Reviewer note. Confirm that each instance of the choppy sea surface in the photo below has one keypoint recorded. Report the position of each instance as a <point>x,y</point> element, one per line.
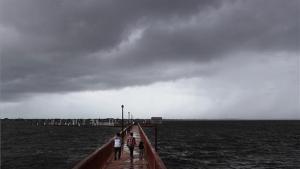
<point>26,146</point>
<point>182,144</point>
<point>229,144</point>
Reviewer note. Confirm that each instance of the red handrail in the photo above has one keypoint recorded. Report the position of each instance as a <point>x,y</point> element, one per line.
<point>154,160</point>
<point>98,158</point>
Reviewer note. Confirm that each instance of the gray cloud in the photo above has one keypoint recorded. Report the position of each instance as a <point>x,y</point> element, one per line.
<point>65,46</point>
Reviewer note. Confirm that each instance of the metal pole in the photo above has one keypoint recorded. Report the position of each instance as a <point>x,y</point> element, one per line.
<point>122,121</point>
<point>128,117</point>
<point>155,137</point>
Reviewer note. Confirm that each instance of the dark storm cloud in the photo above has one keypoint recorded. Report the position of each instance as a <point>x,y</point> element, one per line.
<point>233,27</point>
<point>63,46</point>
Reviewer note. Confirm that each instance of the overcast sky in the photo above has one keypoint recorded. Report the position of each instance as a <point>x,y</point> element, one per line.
<point>176,59</point>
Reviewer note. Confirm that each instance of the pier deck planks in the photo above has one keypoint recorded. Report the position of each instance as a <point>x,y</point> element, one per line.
<point>125,162</point>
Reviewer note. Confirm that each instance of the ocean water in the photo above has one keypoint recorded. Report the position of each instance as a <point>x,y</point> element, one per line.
<point>24,146</point>
<point>182,144</point>
<point>229,144</point>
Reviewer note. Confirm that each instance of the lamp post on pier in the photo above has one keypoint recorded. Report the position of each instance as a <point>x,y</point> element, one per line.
<point>122,106</point>
<point>128,118</point>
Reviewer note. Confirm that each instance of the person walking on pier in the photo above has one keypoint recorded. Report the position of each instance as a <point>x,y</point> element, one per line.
<point>131,143</point>
<point>128,130</point>
<point>141,147</point>
<point>117,146</point>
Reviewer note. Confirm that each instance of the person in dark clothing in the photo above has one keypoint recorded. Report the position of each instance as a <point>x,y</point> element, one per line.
<point>117,146</point>
<point>128,130</point>
<point>131,143</point>
<point>141,147</point>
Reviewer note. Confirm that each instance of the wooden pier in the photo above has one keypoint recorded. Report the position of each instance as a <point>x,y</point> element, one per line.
<point>103,158</point>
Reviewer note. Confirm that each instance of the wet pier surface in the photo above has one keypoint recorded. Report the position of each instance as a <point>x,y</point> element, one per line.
<point>125,162</point>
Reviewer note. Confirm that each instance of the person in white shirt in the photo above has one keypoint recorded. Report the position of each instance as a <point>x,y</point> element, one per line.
<point>117,146</point>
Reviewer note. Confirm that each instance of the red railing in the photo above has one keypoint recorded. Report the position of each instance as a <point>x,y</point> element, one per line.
<point>99,158</point>
<point>152,157</point>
